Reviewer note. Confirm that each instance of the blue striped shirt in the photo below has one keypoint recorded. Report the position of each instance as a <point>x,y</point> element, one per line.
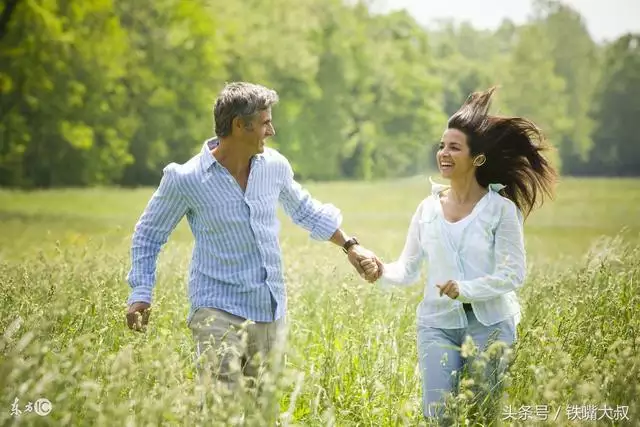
<point>236,265</point>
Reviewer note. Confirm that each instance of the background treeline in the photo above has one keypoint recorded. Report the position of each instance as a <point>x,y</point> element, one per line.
<point>109,91</point>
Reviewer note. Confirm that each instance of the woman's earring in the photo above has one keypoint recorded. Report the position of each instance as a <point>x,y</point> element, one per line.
<point>479,160</point>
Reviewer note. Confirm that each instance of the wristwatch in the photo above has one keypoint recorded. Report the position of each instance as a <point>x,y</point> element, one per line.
<point>352,241</point>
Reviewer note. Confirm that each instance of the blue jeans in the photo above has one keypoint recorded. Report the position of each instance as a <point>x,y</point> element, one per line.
<point>441,361</point>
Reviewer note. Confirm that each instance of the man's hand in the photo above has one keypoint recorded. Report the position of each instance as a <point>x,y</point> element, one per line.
<point>450,289</point>
<point>373,268</point>
<point>365,262</point>
<point>138,315</point>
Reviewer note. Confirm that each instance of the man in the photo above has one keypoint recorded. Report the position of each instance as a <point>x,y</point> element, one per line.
<point>229,193</point>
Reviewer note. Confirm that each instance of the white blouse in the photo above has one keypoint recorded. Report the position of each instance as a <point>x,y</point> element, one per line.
<point>487,259</point>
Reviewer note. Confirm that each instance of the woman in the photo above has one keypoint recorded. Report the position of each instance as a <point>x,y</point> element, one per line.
<point>471,234</point>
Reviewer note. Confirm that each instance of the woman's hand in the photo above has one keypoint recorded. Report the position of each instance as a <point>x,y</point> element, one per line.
<point>449,289</point>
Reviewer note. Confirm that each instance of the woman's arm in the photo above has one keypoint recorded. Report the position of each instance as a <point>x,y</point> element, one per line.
<point>406,270</point>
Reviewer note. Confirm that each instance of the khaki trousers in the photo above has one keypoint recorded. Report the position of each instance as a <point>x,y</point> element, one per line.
<point>235,351</point>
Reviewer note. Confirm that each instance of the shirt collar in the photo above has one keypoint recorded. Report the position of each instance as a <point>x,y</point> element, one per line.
<point>437,188</point>
<point>496,187</point>
<point>207,159</point>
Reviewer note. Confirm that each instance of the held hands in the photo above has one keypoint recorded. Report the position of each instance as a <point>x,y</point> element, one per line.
<point>365,262</point>
<point>450,289</point>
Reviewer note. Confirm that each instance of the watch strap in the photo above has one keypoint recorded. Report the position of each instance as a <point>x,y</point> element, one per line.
<point>349,243</point>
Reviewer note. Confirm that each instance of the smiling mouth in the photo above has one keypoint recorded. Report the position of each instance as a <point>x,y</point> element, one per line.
<point>446,164</point>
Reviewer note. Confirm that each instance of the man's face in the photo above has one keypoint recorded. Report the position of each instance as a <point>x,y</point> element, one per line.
<point>260,129</point>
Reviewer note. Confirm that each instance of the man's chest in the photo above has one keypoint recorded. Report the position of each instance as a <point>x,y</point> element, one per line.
<point>221,206</point>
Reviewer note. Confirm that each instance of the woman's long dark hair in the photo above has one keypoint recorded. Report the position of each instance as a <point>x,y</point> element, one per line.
<point>512,147</point>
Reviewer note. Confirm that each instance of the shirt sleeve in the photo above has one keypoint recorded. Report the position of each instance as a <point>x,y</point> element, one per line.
<point>320,219</point>
<point>510,261</point>
<point>160,217</point>
<point>406,270</point>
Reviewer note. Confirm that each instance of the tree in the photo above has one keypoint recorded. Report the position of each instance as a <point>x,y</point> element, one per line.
<point>5,16</point>
<point>617,108</point>
<point>575,57</point>
<point>58,96</point>
<point>173,70</point>
<point>531,88</point>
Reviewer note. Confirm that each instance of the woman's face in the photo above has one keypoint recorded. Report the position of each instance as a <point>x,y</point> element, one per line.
<point>454,156</point>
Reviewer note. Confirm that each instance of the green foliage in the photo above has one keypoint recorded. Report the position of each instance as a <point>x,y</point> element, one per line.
<point>576,61</point>
<point>63,102</point>
<point>110,91</point>
<point>617,108</point>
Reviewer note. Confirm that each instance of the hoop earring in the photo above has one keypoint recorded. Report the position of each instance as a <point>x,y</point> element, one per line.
<point>480,160</point>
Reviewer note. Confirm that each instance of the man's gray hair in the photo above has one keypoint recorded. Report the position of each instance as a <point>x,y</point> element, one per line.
<point>243,100</point>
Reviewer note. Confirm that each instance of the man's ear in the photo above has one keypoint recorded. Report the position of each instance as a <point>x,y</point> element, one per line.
<point>242,123</point>
<point>237,124</point>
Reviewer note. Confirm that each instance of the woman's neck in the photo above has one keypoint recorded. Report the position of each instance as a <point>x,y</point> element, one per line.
<point>466,190</point>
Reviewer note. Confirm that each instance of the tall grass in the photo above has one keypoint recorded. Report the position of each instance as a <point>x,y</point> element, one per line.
<point>351,352</point>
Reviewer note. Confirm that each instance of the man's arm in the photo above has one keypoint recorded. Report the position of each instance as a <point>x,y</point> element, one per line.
<point>322,220</point>
<point>163,212</point>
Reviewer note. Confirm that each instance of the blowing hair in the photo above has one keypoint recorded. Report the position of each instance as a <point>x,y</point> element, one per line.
<point>243,100</point>
<point>513,149</point>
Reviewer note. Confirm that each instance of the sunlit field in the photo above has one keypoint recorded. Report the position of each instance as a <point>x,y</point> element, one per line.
<point>351,354</point>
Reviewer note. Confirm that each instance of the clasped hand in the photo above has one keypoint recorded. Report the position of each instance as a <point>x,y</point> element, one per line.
<point>366,263</point>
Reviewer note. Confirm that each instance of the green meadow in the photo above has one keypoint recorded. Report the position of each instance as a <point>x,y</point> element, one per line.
<point>351,350</point>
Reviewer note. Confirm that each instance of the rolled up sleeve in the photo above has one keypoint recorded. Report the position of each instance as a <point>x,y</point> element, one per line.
<point>320,219</point>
